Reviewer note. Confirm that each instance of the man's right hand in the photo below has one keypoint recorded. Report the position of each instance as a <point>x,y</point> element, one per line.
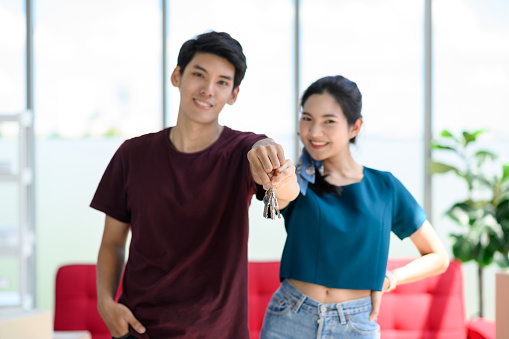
<point>118,317</point>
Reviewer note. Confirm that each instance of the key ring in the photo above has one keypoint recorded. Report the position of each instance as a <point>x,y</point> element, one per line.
<point>271,207</point>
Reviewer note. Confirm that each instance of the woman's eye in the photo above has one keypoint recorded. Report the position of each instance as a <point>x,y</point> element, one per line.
<point>305,119</point>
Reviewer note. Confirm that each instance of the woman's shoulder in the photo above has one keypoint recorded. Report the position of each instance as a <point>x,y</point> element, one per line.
<point>377,174</point>
<point>380,177</point>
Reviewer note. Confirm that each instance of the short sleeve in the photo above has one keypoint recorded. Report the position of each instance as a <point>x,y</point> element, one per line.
<point>407,215</point>
<point>111,194</point>
<point>246,143</point>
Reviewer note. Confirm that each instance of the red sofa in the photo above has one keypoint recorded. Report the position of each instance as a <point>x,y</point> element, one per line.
<point>429,309</point>
<point>432,308</point>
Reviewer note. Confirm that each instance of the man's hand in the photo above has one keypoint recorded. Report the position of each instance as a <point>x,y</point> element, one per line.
<point>265,157</point>
<point>118,317</point>
<point>269,168</point>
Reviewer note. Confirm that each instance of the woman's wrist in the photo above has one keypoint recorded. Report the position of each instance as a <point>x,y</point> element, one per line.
<point>392,280</point>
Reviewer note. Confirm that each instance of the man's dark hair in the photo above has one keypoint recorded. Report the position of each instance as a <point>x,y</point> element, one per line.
<point>218,43</point>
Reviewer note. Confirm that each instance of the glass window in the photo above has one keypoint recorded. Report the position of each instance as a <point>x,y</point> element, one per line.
<point>471,79</point>
<point>12,50</point>
<point>98,68</point>
<point>12,100</point>
<point>378,45</point>
<point>266,102</point>
<point>471,82</point>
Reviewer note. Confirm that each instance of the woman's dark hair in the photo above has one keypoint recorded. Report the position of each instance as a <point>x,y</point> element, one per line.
<point>345,92</point>
<point>220,44</point>
<point>349,98</point>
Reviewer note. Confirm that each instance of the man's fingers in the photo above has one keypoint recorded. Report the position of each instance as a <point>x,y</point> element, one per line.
<point>138,327</point>
<point>283,173</point>
<point>264,160</point>
<point>269,157</point>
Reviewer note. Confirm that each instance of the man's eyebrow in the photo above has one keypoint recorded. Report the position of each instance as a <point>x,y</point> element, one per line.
<point>227,77</point>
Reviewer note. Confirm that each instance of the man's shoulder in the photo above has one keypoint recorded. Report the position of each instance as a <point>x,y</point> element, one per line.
<point>144,139</point>
<point>233,134</point>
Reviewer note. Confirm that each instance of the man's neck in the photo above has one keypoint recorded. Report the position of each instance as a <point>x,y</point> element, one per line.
<point>192,137</point>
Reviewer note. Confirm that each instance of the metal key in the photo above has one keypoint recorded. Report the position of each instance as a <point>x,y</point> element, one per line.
<point>271,207</point>
<point>266,205</point>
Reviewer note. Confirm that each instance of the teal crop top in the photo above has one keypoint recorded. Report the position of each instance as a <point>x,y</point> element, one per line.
<point>343,241</point>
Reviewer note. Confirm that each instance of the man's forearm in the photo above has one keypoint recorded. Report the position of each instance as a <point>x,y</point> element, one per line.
<point>110,264</point>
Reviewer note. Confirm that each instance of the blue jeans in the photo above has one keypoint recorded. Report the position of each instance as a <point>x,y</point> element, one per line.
<point>292,314</point>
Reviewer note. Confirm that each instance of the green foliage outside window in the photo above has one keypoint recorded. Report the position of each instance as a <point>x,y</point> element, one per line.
<point>484,213</point>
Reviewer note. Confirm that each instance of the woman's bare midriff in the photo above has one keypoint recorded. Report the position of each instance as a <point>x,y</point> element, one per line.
<point>328,295</point>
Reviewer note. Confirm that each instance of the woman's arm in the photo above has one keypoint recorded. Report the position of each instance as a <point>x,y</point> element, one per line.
<point>433,260</point>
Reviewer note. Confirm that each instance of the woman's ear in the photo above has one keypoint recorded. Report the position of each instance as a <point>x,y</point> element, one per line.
<point>356,128</point>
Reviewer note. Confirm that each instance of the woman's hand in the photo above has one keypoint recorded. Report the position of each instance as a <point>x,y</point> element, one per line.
<point>376,299</point>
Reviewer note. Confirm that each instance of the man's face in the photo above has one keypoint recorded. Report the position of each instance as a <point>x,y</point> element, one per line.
<point>205,87</point>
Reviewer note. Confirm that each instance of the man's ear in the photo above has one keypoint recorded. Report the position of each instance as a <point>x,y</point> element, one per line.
<point>175,77</point>
<point>233,96</point>
<point>356,128</point>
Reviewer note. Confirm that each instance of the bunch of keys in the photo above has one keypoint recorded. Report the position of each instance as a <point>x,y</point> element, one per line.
<point>271,208</point>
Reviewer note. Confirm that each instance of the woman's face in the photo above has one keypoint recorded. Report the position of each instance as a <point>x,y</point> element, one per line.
<point>324,130</point>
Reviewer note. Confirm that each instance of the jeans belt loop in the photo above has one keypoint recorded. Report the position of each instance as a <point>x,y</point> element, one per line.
<point>299,303</point>
<point>341,314</point>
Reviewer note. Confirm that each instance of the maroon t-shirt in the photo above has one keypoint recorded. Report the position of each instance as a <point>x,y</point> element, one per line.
<point>186,275</point>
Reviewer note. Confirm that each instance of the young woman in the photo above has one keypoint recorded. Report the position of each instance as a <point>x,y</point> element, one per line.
<point>333,267</point>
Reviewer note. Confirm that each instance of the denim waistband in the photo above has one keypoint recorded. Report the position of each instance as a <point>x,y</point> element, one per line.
<point>301,300</point>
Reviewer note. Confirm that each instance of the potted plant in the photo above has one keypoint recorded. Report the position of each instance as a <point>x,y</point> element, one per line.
<point>484,214</point>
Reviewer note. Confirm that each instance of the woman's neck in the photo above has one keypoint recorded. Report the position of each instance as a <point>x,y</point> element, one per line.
<point>342,171</point>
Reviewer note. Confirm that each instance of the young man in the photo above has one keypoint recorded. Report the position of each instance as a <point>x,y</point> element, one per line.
<point>184,193</point>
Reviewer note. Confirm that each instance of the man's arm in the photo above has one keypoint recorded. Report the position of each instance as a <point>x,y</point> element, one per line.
<point>269,167</point>
<point>110,263</point>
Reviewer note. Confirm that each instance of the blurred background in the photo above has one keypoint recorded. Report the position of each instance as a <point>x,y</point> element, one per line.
<point>94,73</point>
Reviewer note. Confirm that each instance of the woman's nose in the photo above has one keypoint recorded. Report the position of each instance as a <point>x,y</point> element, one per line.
<point>315,130</point>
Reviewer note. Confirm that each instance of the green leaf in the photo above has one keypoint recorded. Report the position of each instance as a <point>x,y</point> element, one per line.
<point>505,172</point>
<point>439,168</point>
<point>446,134</point>
<point>443,147</point>
<point>485,182</point>
<point>502,260</point>
<point>462,248</point>
<point>461,213</point>
<point>502,212</point>
<point>479,132</point>
<point>468,137</point>
<point>483,156</point>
